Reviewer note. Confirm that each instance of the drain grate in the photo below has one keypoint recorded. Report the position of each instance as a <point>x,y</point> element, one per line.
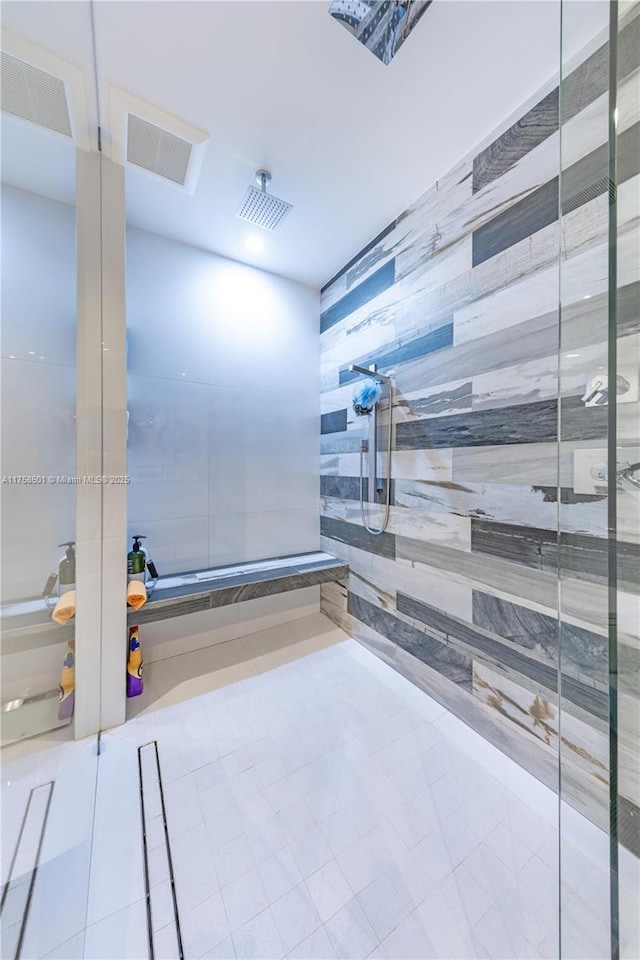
<point>151,792</point>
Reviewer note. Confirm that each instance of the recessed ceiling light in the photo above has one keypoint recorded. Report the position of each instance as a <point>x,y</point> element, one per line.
<point>587,296</point>
<point>255,244</point>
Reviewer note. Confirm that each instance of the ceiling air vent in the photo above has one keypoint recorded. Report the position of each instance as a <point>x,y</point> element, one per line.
<point>44,90</point>
<point>34,95</point>
<point>146,138</point>
<point>157,150</point>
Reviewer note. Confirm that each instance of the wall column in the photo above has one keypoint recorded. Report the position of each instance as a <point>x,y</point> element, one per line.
<point>101,521</point>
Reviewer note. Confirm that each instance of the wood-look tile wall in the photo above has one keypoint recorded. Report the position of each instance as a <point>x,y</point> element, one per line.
<point>458,300</point>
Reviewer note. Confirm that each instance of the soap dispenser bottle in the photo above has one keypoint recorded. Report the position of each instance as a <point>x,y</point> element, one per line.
<point>151,567</point>
<point>67,568</point>
<point>136,560</point>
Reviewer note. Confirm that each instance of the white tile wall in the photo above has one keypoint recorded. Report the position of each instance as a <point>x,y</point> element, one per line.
<point>223,397</point>
<point>179,635</point>
<point>38,366</point>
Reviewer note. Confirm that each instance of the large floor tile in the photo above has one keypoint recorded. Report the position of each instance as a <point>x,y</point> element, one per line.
<point>203,927</point>
<point>351,933</point>
<point>258,938</point>
<point>329,890</point>
<point>296,916</point>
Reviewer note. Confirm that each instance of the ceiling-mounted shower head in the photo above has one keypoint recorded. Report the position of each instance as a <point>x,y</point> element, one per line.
<point>260,208</point>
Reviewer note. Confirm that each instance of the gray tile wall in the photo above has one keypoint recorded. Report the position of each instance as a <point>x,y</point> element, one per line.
<point>458,300</point>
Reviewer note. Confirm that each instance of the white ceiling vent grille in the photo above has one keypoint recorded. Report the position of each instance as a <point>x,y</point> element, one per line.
<point>39,88</point>
<point>144,137</point>
<point>34,95</point>
<point>157,150</point>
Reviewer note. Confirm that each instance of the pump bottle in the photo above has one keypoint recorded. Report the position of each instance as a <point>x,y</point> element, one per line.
<point>136,560</point>
<point>67,568</point>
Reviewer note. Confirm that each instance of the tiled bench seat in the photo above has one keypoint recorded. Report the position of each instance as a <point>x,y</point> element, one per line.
<point>180,594</point>
<point>27,624</point>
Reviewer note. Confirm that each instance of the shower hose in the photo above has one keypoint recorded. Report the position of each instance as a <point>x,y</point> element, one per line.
<point>363,447</point>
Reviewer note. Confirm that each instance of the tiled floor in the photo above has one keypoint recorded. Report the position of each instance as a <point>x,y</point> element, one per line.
<point>324,807</point>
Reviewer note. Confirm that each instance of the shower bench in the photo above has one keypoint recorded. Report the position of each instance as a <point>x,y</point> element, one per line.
<point>27,624</point>
<point>180,594</point>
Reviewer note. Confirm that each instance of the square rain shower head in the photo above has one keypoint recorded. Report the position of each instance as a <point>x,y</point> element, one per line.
<point>263,210</point>
<point>381,26</point>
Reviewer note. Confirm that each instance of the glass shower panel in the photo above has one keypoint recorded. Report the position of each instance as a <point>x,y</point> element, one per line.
<point>624,370</point>
<point>597,553</point>
<point>41,124</point>
<point>582,558</point>
<point>48,779</point>
<point>48,800</point>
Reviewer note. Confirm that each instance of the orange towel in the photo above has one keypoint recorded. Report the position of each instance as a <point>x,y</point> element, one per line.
<point>65,608</point>
<point>136,594</point>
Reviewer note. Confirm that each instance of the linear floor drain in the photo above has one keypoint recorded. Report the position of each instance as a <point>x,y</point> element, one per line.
<point>154,823</point>
<point>17,892</point>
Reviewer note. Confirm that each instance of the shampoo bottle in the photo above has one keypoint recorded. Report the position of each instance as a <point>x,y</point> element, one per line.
<point>135,685</point>
<point>67,687</point>
<point>67,569</point>
<point>136,560</point>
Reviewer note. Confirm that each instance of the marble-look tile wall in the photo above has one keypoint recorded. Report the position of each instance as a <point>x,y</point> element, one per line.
<point>458,300</point>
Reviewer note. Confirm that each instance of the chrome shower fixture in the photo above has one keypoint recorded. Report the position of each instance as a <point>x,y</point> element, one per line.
<point>369,372</point>
<point>375,481</point>
<point>262,209</point>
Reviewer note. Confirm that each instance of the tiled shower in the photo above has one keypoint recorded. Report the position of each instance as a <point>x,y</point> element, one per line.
<point>494,497</point>
<point>421,743</point>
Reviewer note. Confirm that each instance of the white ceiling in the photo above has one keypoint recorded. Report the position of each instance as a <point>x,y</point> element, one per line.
<point>279,84</point>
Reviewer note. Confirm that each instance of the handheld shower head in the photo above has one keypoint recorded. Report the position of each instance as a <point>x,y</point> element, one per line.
<point>365,396</point>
